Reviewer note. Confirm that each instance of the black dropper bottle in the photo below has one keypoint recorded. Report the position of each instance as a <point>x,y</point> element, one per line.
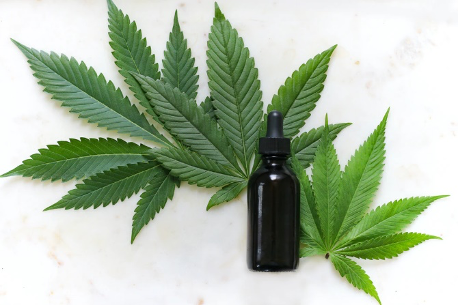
<point>273,205</point>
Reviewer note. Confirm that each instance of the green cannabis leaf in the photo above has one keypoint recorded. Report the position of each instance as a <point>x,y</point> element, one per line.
<point>225,128</point>
<point>131,52</point>
<point>76,159</point>
<point>235,88</point>
<point>109,187</point>
<point>213,143</point>
<point>334,205</point>
<point>210,144</point>
<point>179,70</point>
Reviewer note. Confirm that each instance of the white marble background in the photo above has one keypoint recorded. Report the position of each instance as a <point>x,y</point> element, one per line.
<point>398,54</point>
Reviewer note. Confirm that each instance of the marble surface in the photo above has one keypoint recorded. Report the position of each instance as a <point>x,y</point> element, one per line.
<point>398,54</point>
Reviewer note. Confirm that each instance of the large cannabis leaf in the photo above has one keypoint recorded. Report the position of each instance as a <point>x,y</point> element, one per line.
<point>211,144</point>
<point>235,102</point>
<point>334,205</point>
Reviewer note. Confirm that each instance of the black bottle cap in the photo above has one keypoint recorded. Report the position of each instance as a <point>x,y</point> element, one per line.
<point>274,143</point>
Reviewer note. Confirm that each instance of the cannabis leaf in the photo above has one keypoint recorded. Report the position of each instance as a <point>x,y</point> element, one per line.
<point>227,193</point>
<point>333,207</point>
<point>179,70</point>
<point>326,183</point>
<point>234,86</point>
<point>224,129</point>
<point>195,168</point>
<point>211,144</point>
<point>354,274</point>
<point>158,190</point>
<point>76,159</point>
<point>131,52</point>
<point>295,100</point>
<point>185,120</point>
<point>298,96</point>
<point>383,247</point>
<point>88,94</point>
<point>109,187</point>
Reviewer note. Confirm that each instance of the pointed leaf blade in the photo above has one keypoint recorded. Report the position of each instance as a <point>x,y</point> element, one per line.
<point>355,275</point>
<point>179,70</point>
<point>226,194</point>
<point>195,168</point>
<point>235,88</point>
<point>298,96</point>
<point>158,190</point>
<point>384,247</point>
<point>361,179</point>
<point>131,52</point>
<point>76,159</point>
<point>108,187</point>
<point>88,94</point>
<point>387,219</point>
<point>326,184</point>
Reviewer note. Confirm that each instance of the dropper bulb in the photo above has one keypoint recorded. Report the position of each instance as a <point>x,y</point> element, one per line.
<point>274,125</point>
<point>274,143</point>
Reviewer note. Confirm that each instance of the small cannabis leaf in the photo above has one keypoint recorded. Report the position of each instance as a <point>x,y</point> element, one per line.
<point>298,96</point>
<point>333,207</point>
<point>211,144</point>
<point>159,189</point>
<point>131,52</point>
<point>235,88</point>
<point>88,94</point>
<point>179,70</point>
<point>109,187</point>
<point>76,159</point>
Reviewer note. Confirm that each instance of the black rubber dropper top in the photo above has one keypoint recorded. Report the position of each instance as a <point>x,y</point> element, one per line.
<point>274,125</point>
<point>274,143</point>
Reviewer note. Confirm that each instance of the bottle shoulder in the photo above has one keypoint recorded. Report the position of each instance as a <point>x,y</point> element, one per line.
<point>276,173</point>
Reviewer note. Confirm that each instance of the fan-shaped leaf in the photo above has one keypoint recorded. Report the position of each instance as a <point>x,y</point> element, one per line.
<point>387,219</point>
<point>227,193</point>
<point>108,187</point>
<point>195,168</point>
<point>153,199</point>
<point>80,158</point>
<point>354,274</point>
<point>298,96</point>
<point>179,70</point>
<point>360,180</point>
<point>234,86</point>
<point>88,94</point>
<point>187,122</point>
<point>326,184</point>
<point>304,146</point>
<point>384,247</point>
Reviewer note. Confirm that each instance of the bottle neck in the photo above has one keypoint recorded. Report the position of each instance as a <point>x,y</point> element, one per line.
<point>276,160</point>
